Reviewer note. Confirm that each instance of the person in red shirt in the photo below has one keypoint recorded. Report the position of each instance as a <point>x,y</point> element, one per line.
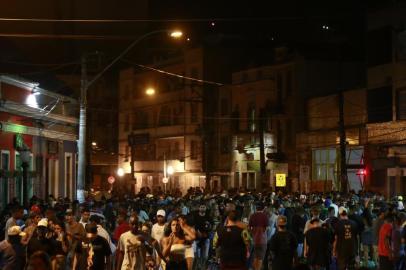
<point>122,227</point>
<point>385,251</point>
<point>258,224</point>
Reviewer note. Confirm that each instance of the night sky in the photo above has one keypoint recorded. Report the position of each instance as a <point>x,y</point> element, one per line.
<point>56,47</point>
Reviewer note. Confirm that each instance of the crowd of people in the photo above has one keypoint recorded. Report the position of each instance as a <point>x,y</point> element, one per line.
<point>233,230</point>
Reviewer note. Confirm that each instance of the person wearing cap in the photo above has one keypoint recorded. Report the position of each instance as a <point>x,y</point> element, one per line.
<point>345,247</point>
<point>30,229</point>
<point>39,242</point>
<point>12,252</point>
<point>283,246</point>
<point>158,228</point>
<point>93,252</point>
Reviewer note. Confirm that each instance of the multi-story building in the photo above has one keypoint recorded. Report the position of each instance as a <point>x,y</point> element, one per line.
<point>257,103</point>
<point>178,118</point>
<point>44,123</point>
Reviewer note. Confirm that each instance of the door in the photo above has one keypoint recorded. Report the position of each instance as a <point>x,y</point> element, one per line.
<point>5,166</point>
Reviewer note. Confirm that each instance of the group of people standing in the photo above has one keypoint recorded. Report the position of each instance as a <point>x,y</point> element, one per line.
<point>208,231</point>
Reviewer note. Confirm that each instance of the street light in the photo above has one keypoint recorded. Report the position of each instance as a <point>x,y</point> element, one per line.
<point>25,156</point>
<point>150,91</point>
<point>120,172</point>
<point>83,104</point>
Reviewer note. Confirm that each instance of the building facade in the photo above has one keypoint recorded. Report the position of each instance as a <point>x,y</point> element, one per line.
<point>44,123</point>
<point>178,119</point>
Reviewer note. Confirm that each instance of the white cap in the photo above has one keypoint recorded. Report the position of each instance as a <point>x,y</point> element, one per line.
<point>15,230</point>
<point>43,222</point>
<point>161,212</point>
<point>342,210</point>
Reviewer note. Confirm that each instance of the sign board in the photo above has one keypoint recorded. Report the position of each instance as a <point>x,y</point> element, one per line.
<point>137,139</point>
<point>111,179</point>
<point>281,180</point>
<point>165,180</point>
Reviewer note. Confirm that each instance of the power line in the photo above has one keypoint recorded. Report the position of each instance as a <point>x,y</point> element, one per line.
<point>216,19</point>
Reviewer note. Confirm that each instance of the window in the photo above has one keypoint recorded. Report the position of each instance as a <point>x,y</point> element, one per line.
<point>251,117</point>
<point>401,104</point>
<point>224,106</point>
<point>279,86</point>
<point>4,165</point>
<point>126,92</point>
<point>194,72</point>
<point>324,164</point>
<point>259,75</point>
<point>225,145</point>
<point>379,49</point>
<point>193,112</point>
<point>379,104</point>
<point>127,122</point>
<point>140,119</point>
<point>165,116</point>
<point>235,119</point>
<point>178,115</point>
<point>193,149</point>
<point>289,82</point>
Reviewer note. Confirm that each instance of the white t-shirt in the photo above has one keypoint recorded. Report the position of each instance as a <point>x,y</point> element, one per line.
<point>10,223</point>
<point>134,250</point>
<point>157,232</point>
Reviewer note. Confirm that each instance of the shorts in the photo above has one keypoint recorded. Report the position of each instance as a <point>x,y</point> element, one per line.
<point>189,253</point>
<point>259,252</point>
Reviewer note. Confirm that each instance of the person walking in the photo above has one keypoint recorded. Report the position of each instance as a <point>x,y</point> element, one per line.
<point>283,246</point>
<point>233,244</point>
<point>345,243</point>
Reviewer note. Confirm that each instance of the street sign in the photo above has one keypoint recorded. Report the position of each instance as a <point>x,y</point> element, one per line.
<point>165,180</point>
<point>111,179</point>
<point>137,139</point>
<point>281,180</point>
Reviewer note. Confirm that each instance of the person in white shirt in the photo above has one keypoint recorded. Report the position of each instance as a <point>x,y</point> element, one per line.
<point>131,250</point>
<point>84,219</point>
<point>158,228</point>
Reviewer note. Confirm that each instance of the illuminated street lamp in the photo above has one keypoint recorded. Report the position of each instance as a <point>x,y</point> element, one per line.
<point>150,91</point>
<point>176,34</point>
<point>170,170</point>
<point>120,172</point>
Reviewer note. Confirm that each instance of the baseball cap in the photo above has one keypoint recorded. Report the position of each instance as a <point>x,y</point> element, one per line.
<point>161,212</point>
<point>342,210</point>
<point>43,222</point>
<point>15,230</point>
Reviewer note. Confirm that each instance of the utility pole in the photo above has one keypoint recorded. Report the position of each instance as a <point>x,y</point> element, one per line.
<point>343,144</point>
<point>262,147</point>
<point>82,134</point>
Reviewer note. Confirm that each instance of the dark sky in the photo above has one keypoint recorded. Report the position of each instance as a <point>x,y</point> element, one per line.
<point>251,24</point>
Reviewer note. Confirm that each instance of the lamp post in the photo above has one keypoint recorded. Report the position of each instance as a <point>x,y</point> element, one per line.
<point>25,163</point>
<point>170,171</point>
<point>83,104</point>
